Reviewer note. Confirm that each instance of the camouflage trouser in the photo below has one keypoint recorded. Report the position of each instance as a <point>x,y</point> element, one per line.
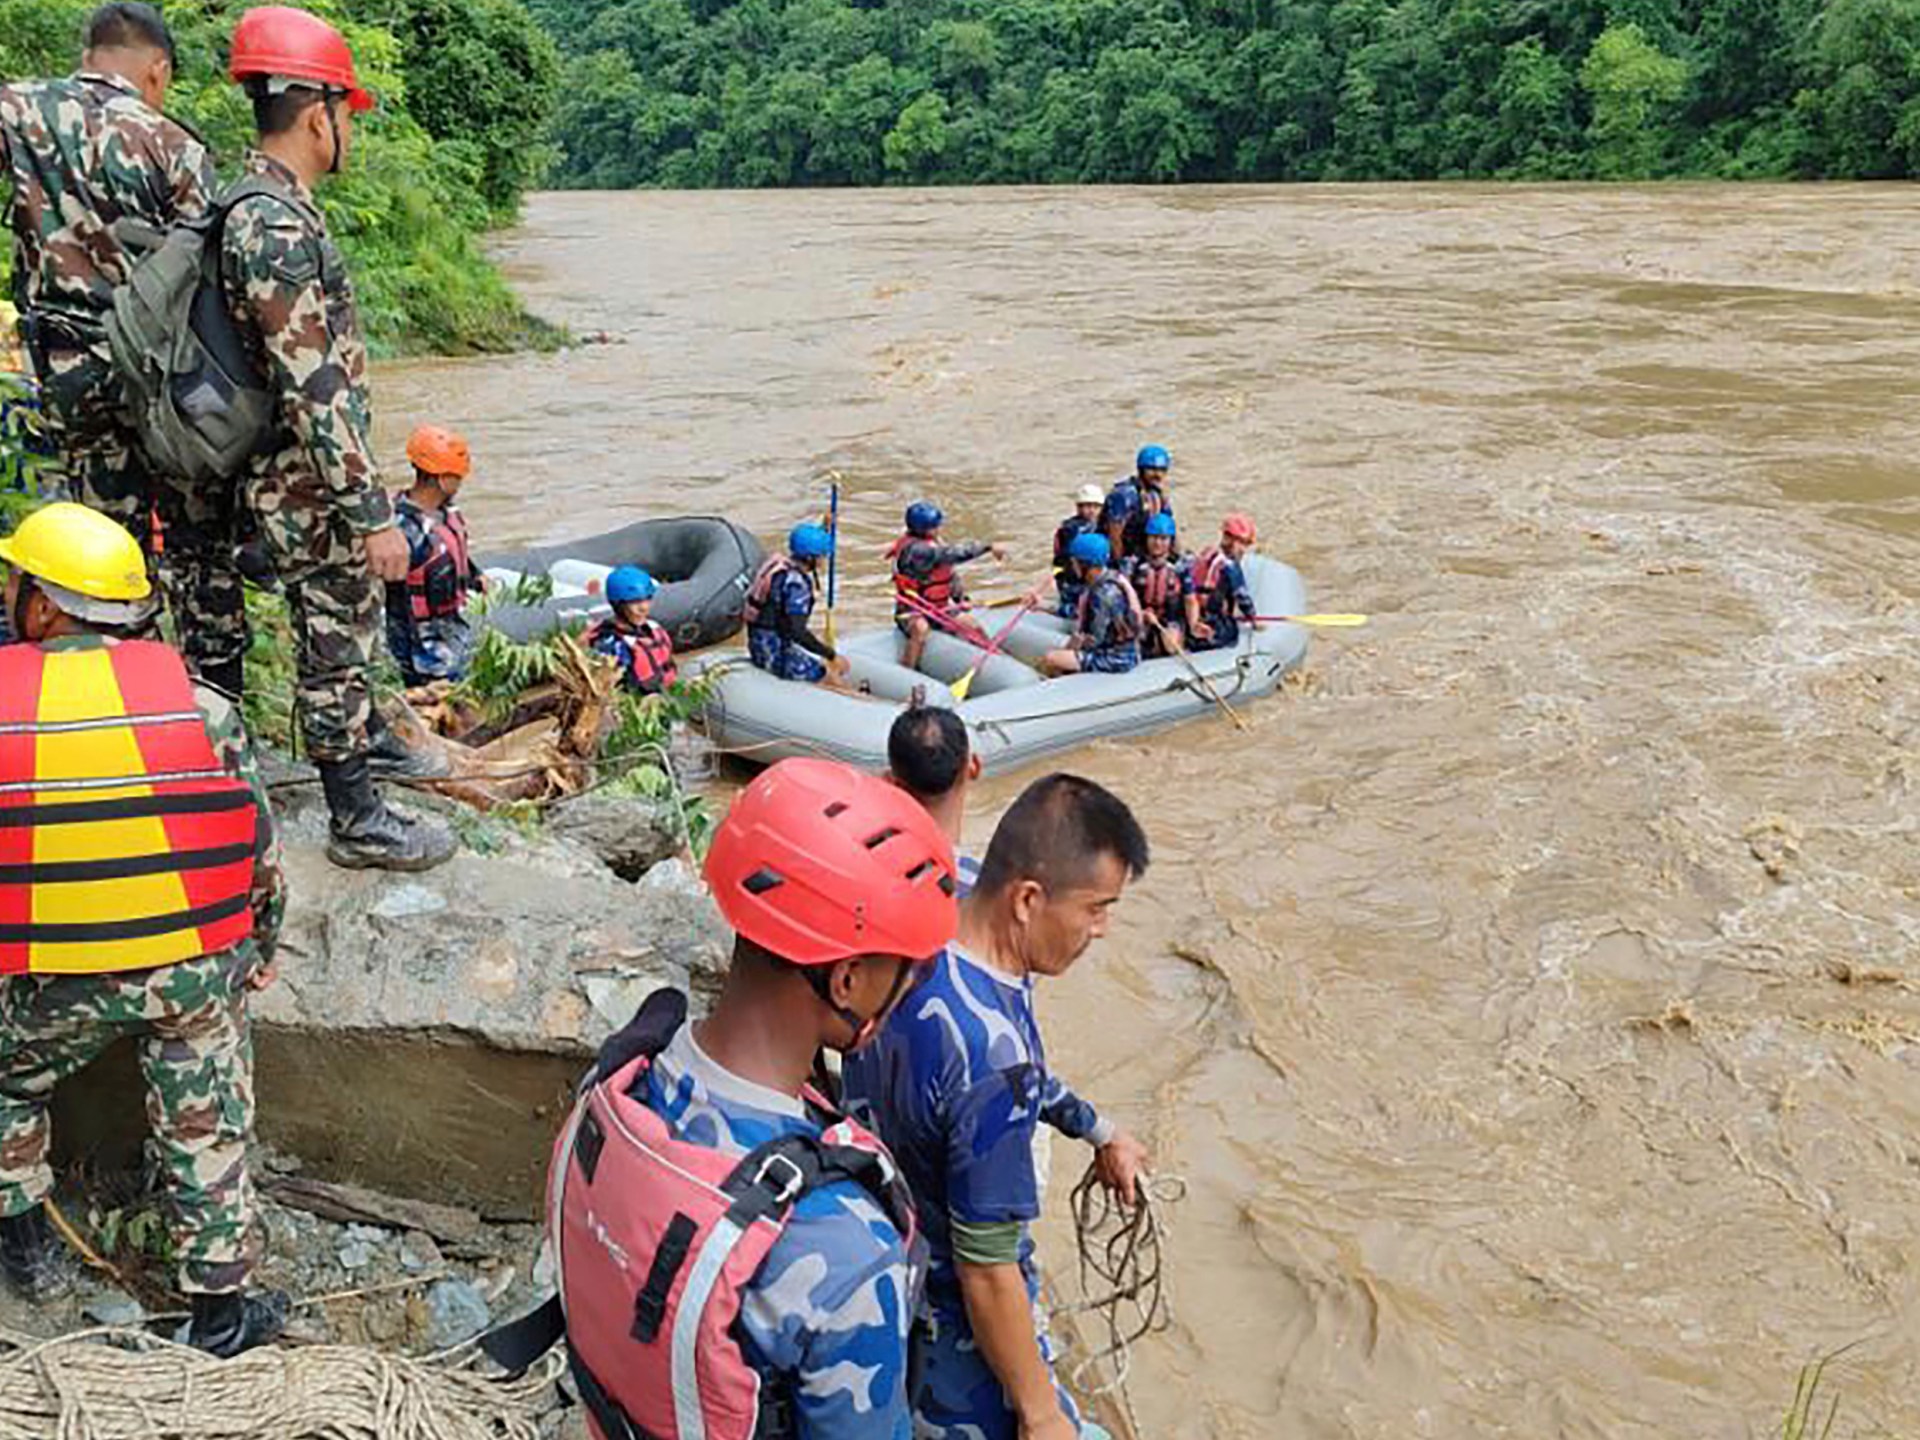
<point>200,576</point>
<point>100,461</point>
<point>335,606</point>
<point>197,1057</point>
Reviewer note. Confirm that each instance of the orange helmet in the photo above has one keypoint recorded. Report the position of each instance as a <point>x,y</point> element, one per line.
<point>278,42</point>
<point>1238,527</point>
<point>438,451</point>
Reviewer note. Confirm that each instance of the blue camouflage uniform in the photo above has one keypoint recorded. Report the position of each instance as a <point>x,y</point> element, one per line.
<point>956,1085</point>
<point>438,647</point>
<point>1128,506</point>
<point>1225,605</point>
<point>1066,580</point>
<point>776,646</point>
<point>826,1318</point>
<point>1113,643</point>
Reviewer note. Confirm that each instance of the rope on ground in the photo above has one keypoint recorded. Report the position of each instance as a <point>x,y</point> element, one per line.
<point>1122,1277</point>
<point>116,1384</point>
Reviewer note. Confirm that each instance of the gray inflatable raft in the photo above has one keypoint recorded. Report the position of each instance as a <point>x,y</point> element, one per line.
<point>1015,718</point>
<point>704,564</point>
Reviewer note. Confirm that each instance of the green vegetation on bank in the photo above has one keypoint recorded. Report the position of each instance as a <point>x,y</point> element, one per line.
<point>831,92</point>
<point>465,88</point>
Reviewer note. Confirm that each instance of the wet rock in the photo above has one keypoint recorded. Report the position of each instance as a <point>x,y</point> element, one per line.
<point>630,835</point>
<point>112,1307</point>
<point>456,1311</point>
<point>354,1255</point>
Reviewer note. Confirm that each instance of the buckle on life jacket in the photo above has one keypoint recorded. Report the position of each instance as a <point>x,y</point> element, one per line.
<point>790,1188</point>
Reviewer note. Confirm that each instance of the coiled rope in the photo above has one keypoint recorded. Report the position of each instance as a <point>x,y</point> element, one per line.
<point>1122,1278</point>
<point>118,1384</point>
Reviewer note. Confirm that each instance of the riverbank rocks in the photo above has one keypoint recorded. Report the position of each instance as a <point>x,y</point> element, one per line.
<point>628,836</point>
<point>425,1032</point>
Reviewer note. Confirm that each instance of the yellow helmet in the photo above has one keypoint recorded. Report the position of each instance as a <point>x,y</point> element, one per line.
<point>79,550</point>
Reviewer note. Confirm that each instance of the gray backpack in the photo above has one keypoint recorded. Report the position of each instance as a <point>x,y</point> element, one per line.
<point>191,387</point>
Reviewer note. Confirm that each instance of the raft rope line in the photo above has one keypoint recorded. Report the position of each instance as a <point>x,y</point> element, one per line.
<point>1122,1278</point>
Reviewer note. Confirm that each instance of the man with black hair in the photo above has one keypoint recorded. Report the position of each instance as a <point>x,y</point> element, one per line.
<point>326,523</point>
<point>98,174</point>
<point>930,757</point>
<point>957,1085</point>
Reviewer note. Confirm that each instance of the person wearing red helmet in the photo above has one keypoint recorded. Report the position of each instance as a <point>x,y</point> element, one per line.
<point>1220,597</point>
<point>325,522</point>
<point>706,1203</point>
<point>427,628</point>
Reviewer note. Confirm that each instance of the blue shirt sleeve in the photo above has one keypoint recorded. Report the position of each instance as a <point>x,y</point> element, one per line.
<point>990,1129</point>
<point>1067,1112</point>
<point>831,1308</point>
<point>796,596</point>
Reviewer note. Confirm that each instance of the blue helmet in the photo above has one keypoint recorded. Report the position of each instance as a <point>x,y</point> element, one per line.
<point>1153,457</point>
<point>1162,524</point>
<point>923,518</point>
<point>810,542</point>
<point>630,582</point>
<point>1091,549</point>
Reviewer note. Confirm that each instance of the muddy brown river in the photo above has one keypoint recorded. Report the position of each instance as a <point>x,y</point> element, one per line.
<point>1531,998</point>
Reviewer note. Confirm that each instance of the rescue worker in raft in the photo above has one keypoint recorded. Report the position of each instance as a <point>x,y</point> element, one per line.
<point>427,628</point>
<point>1219,597</point>
<point>1106,637</point>
<point>1159,578</point>
<point>926,582</point>
<point>143,899</point>
<point>1136,500</point>
<point>631,637</point>
<point>778,604</point>
<point>1088,502</point>
<point>839,890</point>
<point>957,1085</point>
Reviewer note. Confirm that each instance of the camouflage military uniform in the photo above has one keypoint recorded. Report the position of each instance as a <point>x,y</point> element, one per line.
<point>318,496</point>
<point>89,161</point>
<point>195,1052</point>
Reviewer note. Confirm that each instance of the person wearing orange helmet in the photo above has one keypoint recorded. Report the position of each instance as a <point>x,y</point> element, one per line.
<point>1220,598</point>
<point>326,523</point>
<point>707,1203</point>
<point>427,627</point>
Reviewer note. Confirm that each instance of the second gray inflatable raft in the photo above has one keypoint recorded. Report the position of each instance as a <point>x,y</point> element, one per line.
<point>1015,718</point>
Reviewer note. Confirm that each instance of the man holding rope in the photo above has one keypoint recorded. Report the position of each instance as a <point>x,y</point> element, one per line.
<point>957,1084</point>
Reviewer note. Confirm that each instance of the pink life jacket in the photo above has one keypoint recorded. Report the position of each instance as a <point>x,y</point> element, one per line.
<point>438,586</point>
<point>655,1239</point>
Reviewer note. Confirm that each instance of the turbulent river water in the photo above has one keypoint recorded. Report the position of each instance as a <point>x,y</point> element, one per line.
<point>1531,997</point>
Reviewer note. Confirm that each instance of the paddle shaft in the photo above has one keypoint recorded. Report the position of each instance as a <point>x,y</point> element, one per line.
<point>961,686</point>
<point>833,555</point>
<point>1205,684</point>
<point>963,629</point>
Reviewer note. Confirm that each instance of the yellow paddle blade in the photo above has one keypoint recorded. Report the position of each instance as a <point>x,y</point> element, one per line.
<point>961,686</point>
<point>1332,621</point>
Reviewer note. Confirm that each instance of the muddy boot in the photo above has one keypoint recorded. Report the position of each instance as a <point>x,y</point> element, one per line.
<point>367,835</point>
<point>36,1261</point>
<point>389,758</point>
<point>224,1325</point>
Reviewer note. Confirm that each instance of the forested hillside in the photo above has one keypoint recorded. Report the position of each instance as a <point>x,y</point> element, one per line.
<point>465,88</point>
<point>786,92</point>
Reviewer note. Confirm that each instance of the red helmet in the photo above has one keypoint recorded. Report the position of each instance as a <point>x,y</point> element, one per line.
<point>1238,527</point>
<point>818,862</point>
<point>279,42</point>
<point>439,451</point>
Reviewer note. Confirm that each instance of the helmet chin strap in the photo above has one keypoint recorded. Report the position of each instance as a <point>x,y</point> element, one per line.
<point>333,126</point>
<point>865,1027</point>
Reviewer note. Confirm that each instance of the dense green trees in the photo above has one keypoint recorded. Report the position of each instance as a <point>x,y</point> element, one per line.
<point>465,88</point>
<point>782,92</point>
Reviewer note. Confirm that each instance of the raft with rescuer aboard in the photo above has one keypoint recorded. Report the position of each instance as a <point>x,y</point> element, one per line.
<point>703,565</point>
<point>1013,715</point>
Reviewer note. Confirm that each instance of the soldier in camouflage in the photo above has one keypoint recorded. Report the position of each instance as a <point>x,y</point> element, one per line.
<point>326,523</point>
<point>98,173</point>
<point>189,1016</point>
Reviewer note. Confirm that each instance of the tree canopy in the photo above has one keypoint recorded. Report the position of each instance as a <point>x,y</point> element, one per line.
<point>865,92</point>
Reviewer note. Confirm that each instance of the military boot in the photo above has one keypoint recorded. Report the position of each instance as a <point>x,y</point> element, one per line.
<point>35,1260</point>
<point>390,758</point>
<point>367,835</point>
<point>226,1324</point>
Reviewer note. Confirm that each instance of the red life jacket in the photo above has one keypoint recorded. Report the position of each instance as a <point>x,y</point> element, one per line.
<point>1209,573</point>
<point>656,1238</point>
<point>753,607</point>
<point>1128,628</point>
<point>939,588</point>
<point>648,652</point>
<point>437,587</point>
<point>1158,587</point>
<point>124,842</point>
